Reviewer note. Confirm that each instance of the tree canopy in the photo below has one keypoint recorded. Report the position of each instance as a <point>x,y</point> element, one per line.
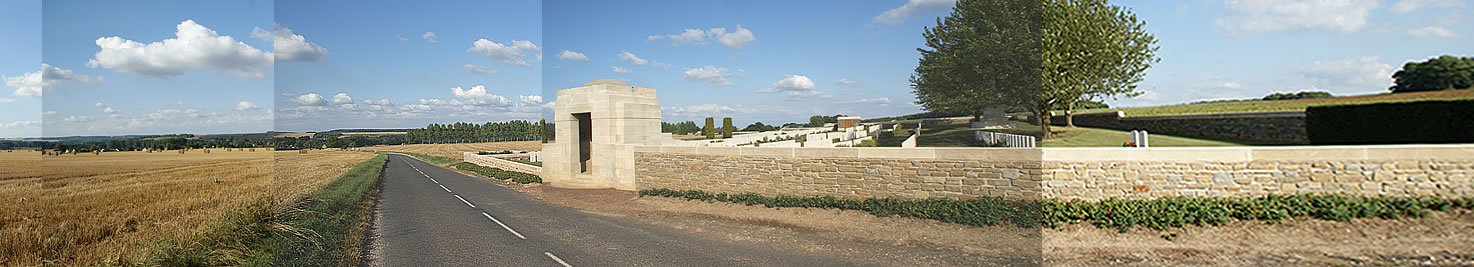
<point>1440,73</point>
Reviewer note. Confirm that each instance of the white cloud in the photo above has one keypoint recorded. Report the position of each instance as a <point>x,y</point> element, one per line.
<point>879,101</point>
<point>905,11</point>
<point>632,58</point>
<point>795,87</point>
<point>7,100</point>
<point>76,119</point>
<point>1432,31</point>
<point>109,110</point>
<point>342,98</point>
<point>243,106</point>
<point>291,46</point>
<point>18,124</point>
<point>702,110</point>
<point>310,99</point>
<point>478,96</point>
<point>735,39</point>
<point>619,70</point>
<point>1228,85</point>
<point>480,70</point>
<point>401,38</point>
<point>508,53</point>
<point>1296,15</point>
<point>1351,75</point>
<point>574,56</point>
<point>34,83</point>
<point>711,74</point>
<point>530,100</point>
<point>847,82</point>
<point>194,47</point>
<point>430,37</point>
<point>1405,6</point>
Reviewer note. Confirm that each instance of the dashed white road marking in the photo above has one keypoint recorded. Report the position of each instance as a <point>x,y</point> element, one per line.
<point>463,200</point>
<point>504,226</point>
<point>555,258</point>
<point>488,216</point>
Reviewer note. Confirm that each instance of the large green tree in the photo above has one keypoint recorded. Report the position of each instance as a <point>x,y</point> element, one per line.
<point>984,54</point>
<point>1093,50</point>
<point>1440,73</point>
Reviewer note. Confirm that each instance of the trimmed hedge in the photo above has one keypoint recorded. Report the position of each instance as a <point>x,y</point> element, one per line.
<point>500,174</point>
<point>1392,123</point>
<point>1121,214</point>
<point>975,212</point>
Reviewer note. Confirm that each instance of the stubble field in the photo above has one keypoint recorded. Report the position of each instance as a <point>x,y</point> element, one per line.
<point>116,207</point>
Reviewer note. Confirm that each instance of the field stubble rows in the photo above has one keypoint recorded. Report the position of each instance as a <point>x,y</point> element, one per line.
<point>114,208</point>
<point>454,150</point>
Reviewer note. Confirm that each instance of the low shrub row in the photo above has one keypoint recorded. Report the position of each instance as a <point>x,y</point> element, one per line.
<point>1121,214</point>
<point>500,174</point>
<point>974,212</point>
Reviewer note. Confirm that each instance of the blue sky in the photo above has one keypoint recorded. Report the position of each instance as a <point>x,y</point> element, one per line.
<point>250,66</point>
<point>769,61</point>
<point>156,67</point>
<point>20,46</point>
<point>396,64</point>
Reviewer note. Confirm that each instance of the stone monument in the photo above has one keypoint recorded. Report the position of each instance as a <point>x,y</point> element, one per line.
<point>597,127</point>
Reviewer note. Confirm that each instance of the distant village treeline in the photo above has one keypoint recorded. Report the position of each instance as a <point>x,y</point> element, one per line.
<point>460,132</point>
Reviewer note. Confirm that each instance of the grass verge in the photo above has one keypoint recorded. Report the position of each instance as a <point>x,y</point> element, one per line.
<point>437,160</point>
<point>324,229</point>
<point>500,174</point>
<point>1121,214</point>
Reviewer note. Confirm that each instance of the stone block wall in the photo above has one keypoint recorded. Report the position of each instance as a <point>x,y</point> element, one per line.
<point>1256,127</point>
<point>841,172</point>
<point>1062,173</point>
<point>490,161</point>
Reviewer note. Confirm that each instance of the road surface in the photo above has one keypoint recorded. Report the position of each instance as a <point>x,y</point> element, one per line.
<point>431,216</point>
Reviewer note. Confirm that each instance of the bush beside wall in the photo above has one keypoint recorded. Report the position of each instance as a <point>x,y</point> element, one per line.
<point>500,174</point>
<point>1392,123</point>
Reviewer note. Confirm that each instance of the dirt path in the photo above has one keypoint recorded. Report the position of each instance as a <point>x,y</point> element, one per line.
<point>1441,239</point>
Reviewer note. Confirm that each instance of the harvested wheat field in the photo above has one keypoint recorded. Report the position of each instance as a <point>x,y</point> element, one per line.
<point>454,150</point>
<point>116,207</point>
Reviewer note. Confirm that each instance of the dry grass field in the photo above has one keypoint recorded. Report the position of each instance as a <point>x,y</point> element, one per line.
<point>116,207</point>
<point>1289,105</point>
<point>454,150</point>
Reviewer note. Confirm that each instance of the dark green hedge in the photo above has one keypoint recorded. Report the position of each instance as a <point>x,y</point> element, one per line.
<point>1392,123</point>
<point>1121,214</point>
<point>500,174</point>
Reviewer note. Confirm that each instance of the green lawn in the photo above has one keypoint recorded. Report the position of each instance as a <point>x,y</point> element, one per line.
<point>1288,105</point>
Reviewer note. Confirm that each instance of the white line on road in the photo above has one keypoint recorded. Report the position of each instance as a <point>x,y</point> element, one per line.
<point>555,258</point>
<point>443,187</point>
<point>433,180</point>
<point>468,203</point>
<point>504,226</point>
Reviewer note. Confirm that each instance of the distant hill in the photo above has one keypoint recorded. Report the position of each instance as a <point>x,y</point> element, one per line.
<point>1286,105</point>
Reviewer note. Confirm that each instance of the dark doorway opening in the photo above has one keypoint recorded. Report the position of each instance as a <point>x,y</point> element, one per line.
<point>585,137</point>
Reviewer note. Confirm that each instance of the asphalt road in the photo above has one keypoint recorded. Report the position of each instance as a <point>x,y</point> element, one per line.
<point>432,216</point>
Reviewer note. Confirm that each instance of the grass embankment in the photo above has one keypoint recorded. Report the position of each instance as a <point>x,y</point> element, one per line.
<point>1287,105</point>
<point>500,174</point>
<point>960,135</point>
<point>325,229</point>
<point>437,160</point>
<point>1121,214</point>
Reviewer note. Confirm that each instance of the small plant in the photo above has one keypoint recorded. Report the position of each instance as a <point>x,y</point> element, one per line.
<point>500,174</point>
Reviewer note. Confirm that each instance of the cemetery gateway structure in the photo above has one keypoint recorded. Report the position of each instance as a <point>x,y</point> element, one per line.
<point>608,136</point>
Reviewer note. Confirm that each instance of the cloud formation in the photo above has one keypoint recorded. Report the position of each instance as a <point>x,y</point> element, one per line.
<point>479,70</point>
<point>711,74</point>
<point>1432,32</point>
<point>1250,16</point>
<point>289,45</point>
<point>430,37</point>
<point>511,53</point>
<point>1351,75</point>
<point>194,47</point>
<point>574,56</point>
<point>906,11</point>
<point>34,84</point>
<point>735,39</point>
<point>795,87</point>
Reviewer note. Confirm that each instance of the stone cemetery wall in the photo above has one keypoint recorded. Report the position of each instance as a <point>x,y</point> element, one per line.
<point>490,161</point>
<point>1062,173</point>
<point>1258,127</point>
<point>842,172</point>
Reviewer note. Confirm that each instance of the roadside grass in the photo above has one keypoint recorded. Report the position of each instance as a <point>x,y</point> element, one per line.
<point>326,228</point>
<point>1120,214</point>
<point>1287,105</point>
<point>436,160</point>
<point>500,174</point>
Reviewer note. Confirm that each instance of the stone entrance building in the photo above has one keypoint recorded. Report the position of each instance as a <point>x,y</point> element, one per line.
<point>596,124</point>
